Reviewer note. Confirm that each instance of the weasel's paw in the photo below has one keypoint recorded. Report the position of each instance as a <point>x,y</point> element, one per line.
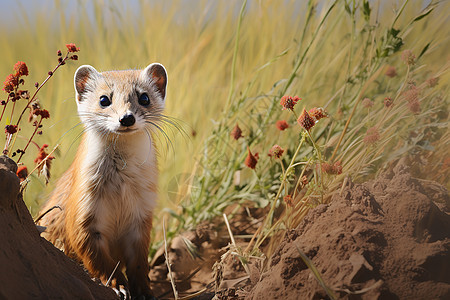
<point>122,292</point>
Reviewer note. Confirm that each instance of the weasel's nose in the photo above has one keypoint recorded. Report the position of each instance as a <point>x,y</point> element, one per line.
<point>127,120</point>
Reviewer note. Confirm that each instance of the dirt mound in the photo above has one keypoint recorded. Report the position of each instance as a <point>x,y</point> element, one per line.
<point>31,267</point>
<point>385,239</point>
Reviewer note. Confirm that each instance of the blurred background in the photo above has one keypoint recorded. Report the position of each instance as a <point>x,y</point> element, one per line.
<point>194,40</point>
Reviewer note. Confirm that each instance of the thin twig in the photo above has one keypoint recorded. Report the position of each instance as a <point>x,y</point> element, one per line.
<point>229,230</point>
<point>172,281</point>
<point>316,273</point>
<point>112,274</point>
<point>233,242</point>
<point>46,212</point>
<point>40,164</point>
<point>361,94</point>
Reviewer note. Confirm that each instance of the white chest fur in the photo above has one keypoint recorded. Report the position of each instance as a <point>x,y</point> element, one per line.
<point>120,177</point>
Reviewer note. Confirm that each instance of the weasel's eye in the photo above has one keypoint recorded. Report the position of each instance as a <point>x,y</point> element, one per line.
<point>144,100</point>
<point>104,101</point>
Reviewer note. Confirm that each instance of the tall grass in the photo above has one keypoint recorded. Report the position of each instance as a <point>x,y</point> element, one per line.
<point>332,54</point>
<point>196,49</point>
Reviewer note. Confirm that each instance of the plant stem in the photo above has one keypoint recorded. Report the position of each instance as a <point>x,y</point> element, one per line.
<point>40,164</point>
<point>280,189</point>
<point>236,48</point>
<point>29,140</point>
<point>399,13</point>
<point>366,85</point>
<point>37,91</point>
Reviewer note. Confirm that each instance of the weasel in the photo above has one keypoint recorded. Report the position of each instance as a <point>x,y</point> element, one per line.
<point>108,194</point>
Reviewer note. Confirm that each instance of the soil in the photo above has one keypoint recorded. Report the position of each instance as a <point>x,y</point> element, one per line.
<point>385,239</point>
<point>388,238</point>
<point>31,267</point>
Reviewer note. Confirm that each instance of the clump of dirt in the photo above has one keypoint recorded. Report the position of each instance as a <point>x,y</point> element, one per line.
<point>206,270</point>
<point>388,238</point>
<point>32,268</point>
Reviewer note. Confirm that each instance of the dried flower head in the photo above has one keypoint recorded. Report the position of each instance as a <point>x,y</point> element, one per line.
<point>317,113</point>
<point>72,47</point>
<point>338,167</point>
<point>288,200</point>
<point>332,169</point>
<point>251,160</point>
<point>408,57</point>
<point>372,136</point>
<point>11,82</point>
<point>276,151</point>
<point>236,133</point>
<point>367,103</point>
<point>288,102</point>
<point>22,173</point>
<point>23,94</point>
<point>304,180</point>
<point>281,125</point>
<point>44,169</point>
<point>43,113</point>
<point>21,69</point>
<point>391,72</point>
<point>11,129</point>
<point>306,121</point>
<point>412,95</point>
<point>388,102</point>
<point>414,107</point>
<point>433,81</point>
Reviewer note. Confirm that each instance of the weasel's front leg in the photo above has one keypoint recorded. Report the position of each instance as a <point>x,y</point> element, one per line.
<point>95,254</point>
<point>137,268</point>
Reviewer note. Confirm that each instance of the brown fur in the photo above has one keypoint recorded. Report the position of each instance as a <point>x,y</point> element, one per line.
<point>107,194</point>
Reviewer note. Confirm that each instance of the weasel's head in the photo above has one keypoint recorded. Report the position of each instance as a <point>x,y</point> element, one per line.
<point>120,102</point>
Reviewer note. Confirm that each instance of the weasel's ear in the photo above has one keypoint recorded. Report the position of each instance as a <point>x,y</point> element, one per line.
<point>156,74</point>
<point>82,77</point>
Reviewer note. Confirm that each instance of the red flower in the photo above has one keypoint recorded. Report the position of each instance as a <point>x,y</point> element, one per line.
<point>72,47</point>
<point>414,106</point>
<point>288,200</point>
<point>44,168</point>
<point>332,169</point>
<point>282,125</point>
<point>408,57</point>
<point>42,155</point>
<point>304,180</point>
<point>11,129</point>
<point>276,151</point>
<point>391,72</point>
<point>317,113</point>
<point>21,69</point>
<point>372,135</point>
<point>388,102</point>
<point>288,102</point>
<point>338,167</point>
<point>11,82</point>
<point>43,113</point>
<point>433,81</point>
<point>22,173</point>
<point>306,121</point>
<point>251,160</point>
<point>236,133</point>
<point>367,103</point>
